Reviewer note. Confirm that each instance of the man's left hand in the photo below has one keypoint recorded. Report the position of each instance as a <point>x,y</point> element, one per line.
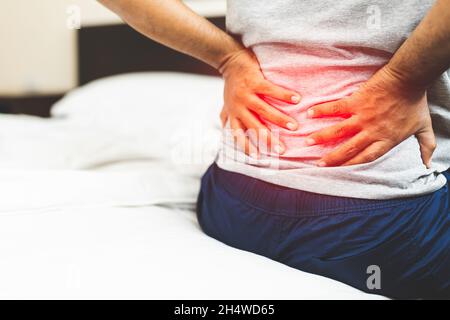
<point>380,115</point>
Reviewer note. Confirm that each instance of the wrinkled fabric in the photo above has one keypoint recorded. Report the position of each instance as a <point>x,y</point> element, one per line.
<point>340,238</point>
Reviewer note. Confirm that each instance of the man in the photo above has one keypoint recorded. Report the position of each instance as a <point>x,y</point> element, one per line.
<point>341,92</point>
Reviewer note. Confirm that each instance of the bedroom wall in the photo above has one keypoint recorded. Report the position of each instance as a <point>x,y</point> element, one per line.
<point>38,41</point>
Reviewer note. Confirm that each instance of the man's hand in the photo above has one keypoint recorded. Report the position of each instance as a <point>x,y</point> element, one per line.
<point>245,86</point>
<point>392,105</point>
<point>380,115</point>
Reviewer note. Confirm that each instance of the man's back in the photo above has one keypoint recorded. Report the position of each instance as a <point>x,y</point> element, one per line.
<point>325,50</point>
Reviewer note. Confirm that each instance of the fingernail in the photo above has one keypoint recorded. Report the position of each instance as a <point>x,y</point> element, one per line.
<point>295,99</point>
<point>321,164</point>
<point>310,141</point>
<point>291,126</point>
<point>310,113</point>
<point>278,149</point>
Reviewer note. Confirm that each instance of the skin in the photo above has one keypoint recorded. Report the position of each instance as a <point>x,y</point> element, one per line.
<point>386,110</point>
<point>392,105</point>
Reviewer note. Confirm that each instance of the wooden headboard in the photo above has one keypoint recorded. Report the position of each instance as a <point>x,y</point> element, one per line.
<point>115,49</point>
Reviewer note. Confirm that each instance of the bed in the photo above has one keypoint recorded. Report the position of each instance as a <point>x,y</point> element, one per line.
<point>98,200</point>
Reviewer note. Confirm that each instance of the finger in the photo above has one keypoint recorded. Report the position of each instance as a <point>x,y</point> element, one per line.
<point>341,130</point>
<point>272,114</point>
<point>265,138</point>
<point>241,139</point>
<point>223,117</point>
<point>271,90</point>
<point>427,143</point>
<point>330,109</point>
<point>346,151</point>
<point>371,153</point>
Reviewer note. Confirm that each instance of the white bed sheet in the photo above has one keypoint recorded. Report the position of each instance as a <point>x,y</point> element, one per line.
<point>93,204</point>
<point>140,253</point>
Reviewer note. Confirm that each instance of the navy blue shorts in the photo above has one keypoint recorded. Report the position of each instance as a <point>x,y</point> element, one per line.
<point>398,248</point>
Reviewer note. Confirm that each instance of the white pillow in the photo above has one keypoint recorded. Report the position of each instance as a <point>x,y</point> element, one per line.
<point>168,115</point>
<point>115,99</point>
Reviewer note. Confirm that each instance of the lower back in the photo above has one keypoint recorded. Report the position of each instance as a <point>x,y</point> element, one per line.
<point>320,75</point>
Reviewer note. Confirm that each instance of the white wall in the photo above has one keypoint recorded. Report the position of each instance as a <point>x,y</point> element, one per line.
<point>38,49</point>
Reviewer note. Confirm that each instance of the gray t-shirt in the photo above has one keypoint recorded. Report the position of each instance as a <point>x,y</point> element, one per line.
<point>324,50</point>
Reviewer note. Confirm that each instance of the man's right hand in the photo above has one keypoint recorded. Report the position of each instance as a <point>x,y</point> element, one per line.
<point>245,87</point>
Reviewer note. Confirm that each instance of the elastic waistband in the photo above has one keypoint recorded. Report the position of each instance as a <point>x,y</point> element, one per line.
<point>287,201</point>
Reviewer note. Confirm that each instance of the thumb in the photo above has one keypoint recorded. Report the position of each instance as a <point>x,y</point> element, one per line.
<point>427,143</point>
